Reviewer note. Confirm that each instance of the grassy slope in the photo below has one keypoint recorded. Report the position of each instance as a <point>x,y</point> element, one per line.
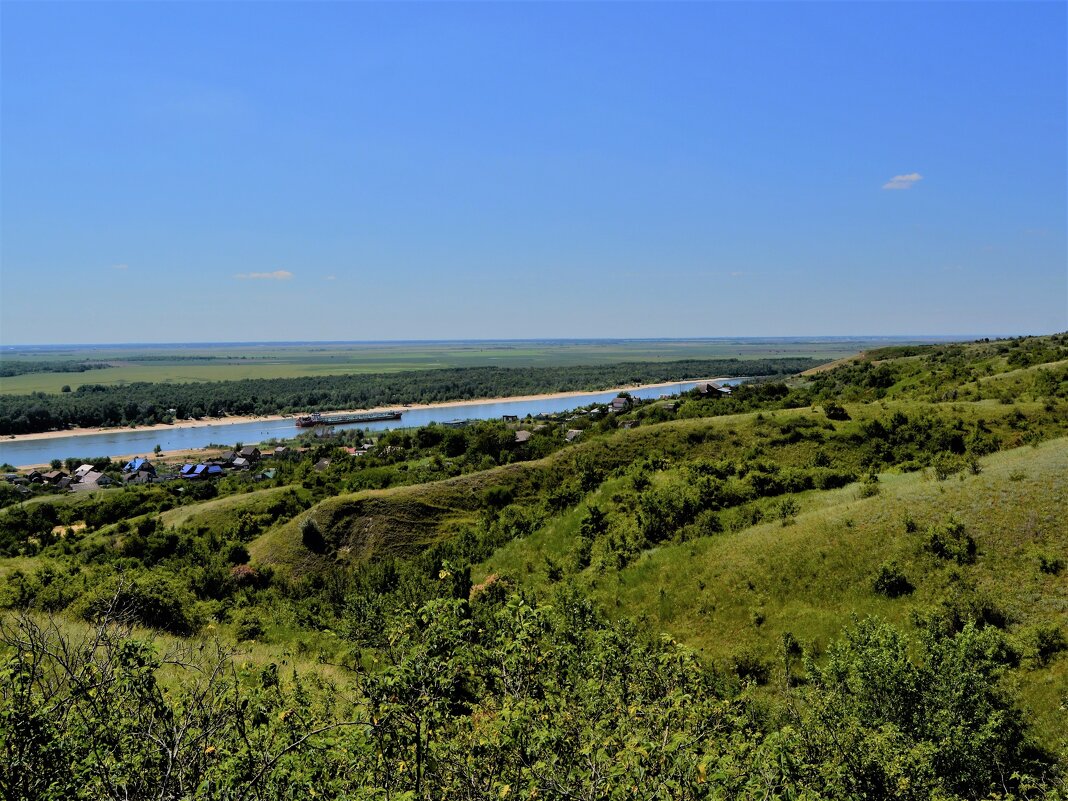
<point>395,520</point>
<point>404,519</point>
<point>810,577</point>
<point>219,511</point>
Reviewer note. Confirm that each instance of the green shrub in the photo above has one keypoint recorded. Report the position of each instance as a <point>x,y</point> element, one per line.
<point>951,542</point>
<point>750,666</point>
<point>708,523</point>
<point>835,412</point>
<point>160,603</point>
<point>312,536</point>
<point>946,465</point>
<point>786,510</point>
<point>891,581</point>
<point>1048,640</point>
<point>237,554</point>
<point>926,719</point>
<point>497,497</point>
<point>249,625</point>
<point>869,487</point>
<point>1050,564</point>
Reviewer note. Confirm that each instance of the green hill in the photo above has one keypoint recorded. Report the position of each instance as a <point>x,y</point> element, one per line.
<point>847,585</point>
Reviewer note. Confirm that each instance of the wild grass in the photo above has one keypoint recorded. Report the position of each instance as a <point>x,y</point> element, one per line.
<point>735,596</point>
<point>740,593</point>
<point>220,511</point>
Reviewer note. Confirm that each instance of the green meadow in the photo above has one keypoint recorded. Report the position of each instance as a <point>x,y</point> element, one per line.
<point>168,364</point>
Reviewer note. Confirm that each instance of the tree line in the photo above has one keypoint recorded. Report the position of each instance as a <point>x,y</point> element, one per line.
<point>20,367</point>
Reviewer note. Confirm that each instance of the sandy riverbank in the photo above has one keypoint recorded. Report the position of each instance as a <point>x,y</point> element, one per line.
<point>201,423</point>
<point>238,419</point>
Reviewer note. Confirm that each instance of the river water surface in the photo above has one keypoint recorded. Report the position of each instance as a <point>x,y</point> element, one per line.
<point>124,442</point>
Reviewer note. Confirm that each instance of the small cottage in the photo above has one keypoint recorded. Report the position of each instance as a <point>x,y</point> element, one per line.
<point>93,480</point>
<point>139,465</point>
<point>54,476</point>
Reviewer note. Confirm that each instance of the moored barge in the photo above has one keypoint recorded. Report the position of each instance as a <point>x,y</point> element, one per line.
<point>316,419</point>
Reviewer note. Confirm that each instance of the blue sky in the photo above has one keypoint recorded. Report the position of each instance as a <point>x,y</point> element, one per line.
<point>274,171</point>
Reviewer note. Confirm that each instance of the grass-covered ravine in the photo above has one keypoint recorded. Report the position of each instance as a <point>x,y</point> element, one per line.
<point>849,584</point>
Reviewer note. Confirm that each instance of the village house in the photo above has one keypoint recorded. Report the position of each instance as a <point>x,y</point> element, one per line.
<point>572,434</point>
<point>199,471</point>
<point>92,480</point>
<point>249,452</point>
<point>54,476</point>
<point>620,404</point>
<point>522,437</point>
<point>139,465</point>
<point>711,389</point>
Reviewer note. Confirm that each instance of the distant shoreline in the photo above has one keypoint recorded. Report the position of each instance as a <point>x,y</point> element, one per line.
<point>238,419</point>
<point>911,338</point>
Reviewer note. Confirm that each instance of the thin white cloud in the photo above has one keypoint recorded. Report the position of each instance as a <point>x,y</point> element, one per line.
<point>277,275</point>
<point>903,181</point>
<point>330,278</point>
<point>120,266</point>
<point>737,273</point>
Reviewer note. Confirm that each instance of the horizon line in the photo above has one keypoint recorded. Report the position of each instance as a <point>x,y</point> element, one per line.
<point>813,337</point>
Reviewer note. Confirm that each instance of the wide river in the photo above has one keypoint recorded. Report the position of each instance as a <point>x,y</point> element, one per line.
<point>125,442</point>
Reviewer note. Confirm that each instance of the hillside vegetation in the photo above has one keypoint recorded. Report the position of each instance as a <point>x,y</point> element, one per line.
<point>851,584</point>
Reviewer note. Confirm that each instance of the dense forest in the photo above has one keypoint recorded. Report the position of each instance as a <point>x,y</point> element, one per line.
<point>146,404</point>
<point>847,585</point>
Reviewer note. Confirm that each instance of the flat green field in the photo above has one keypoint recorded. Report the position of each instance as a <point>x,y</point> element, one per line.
<point>227,362</point>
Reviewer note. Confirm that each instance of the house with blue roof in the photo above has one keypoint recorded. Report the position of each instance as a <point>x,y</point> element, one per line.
<point>139,465</point>
<point>195,471</point>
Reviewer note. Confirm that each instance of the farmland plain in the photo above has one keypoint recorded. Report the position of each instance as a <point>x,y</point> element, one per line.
<point>177,363</point>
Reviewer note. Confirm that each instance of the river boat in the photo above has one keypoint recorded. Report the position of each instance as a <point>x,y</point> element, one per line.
<point>317,419</point>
